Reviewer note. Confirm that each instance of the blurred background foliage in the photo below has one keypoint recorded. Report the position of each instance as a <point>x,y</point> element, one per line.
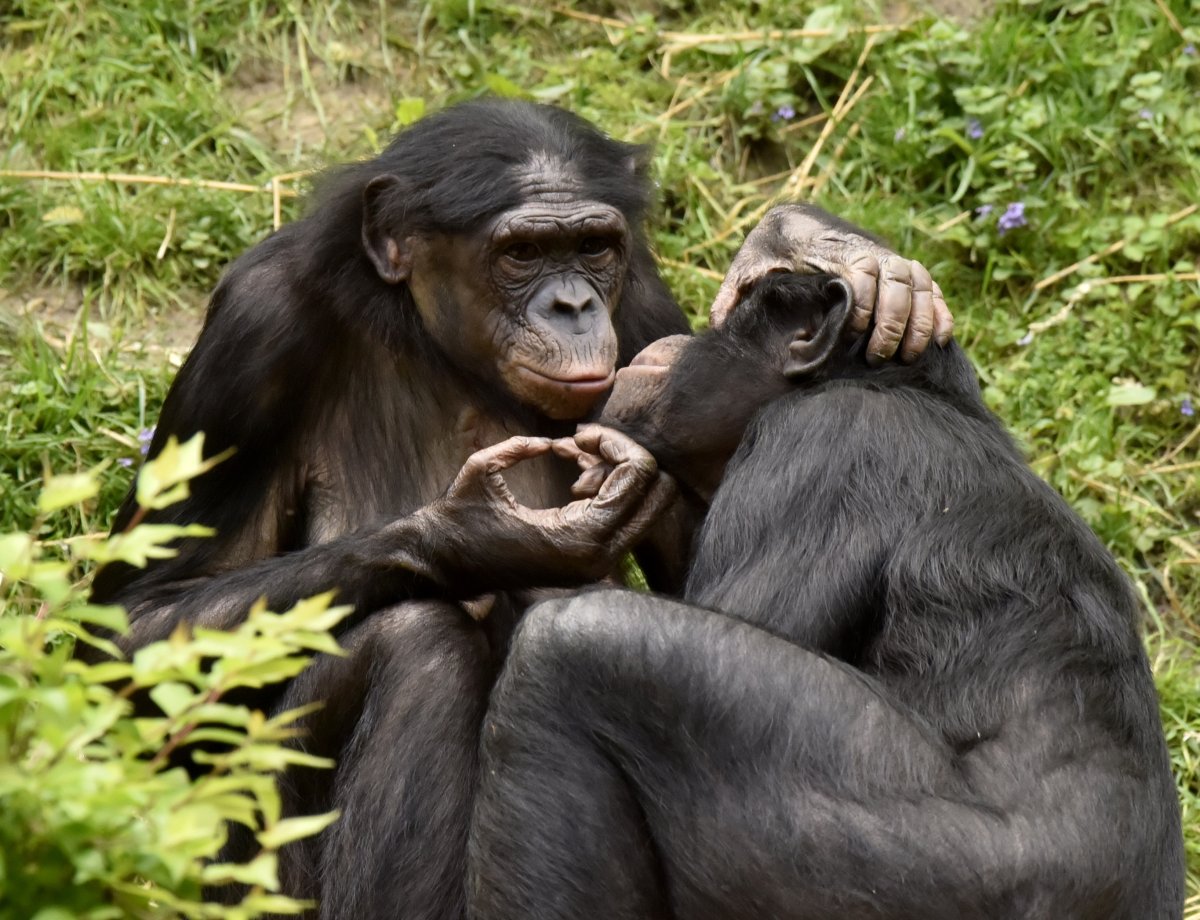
<point>1041,158</point>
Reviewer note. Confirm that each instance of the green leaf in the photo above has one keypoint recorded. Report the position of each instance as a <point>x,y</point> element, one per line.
<point>164,480</point>
<point>66,490</point>
<point>173,697</point>
<point>17,552</point>
<point>290,829</point>
<point>1130,394</point>
<point>408,110</point>
<point>502,86</point>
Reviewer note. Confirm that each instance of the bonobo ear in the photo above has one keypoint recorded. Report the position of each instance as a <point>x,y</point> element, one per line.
<point>814,341</point>
<point>391,255</point>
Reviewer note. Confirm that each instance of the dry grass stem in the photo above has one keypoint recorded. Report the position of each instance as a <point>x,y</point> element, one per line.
<point>952,222</point>
<point>827,173</point>
<point>167,234</point>
<point>1176,450</point>
<point>1170,16</point>
<point>1107,251</point>
<point>132,179</point>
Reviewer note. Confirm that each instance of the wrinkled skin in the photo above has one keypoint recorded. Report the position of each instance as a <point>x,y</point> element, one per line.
<point>529,296</point>
<point>905,303</point>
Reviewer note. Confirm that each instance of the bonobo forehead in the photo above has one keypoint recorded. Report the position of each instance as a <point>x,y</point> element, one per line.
<point>554,201</point>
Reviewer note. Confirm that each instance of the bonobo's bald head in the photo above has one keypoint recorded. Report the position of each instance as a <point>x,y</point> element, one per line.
<point>689,399</point>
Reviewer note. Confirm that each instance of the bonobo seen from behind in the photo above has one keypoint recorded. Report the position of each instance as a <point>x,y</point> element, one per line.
<point>907,683</point>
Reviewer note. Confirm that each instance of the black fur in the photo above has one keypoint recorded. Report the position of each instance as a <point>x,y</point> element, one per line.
<point>908,684</point>
<point>339,403</point>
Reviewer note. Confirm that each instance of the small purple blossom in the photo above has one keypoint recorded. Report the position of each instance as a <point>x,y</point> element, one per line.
<point>784,113</point>
<point>983,210</point>
<point>1189,49</point>
<point>1013,217</point>
<point>1025,339</point>
<point>125,462</point>
<point>145,436</point>
<point>1145,114</point>
<point>899,135</point>
<point>974,129</point>
<point>1186,407</point>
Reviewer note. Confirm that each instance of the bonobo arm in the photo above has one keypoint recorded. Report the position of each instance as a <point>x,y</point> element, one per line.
<point>475,539</point>
<point>906,303</point>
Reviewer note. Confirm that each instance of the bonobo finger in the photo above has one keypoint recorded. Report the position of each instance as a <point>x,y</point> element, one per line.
<point>862,272</point>
<point>747,270</point>
<point>943,319</point>
<point>634,469</point>
<point>609,444</point>
<point>590,480</point>
<point>508,453</point>
<point>892,309</point>
<point>658,500</point>
<point>920,320</point>
<point>484,467</point>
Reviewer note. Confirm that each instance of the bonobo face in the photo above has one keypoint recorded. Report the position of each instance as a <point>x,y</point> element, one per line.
<point>528,297</point>
<point>688,399</point>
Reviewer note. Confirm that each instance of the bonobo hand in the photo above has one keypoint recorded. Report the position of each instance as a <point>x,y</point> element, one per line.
<point>906,303</point>
<point>489,541</point>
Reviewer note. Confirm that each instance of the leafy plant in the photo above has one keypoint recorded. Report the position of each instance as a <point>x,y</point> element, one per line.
<point>98,819</point>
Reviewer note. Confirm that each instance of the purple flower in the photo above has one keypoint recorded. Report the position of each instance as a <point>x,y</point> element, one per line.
<point>899,135</point>
<point>784,113</point>
<point>974,129</point>
<point>1186,407</point>
<point>145,436</point>
<point>1189,49</point>
<point>125,461</point>
<point>1145,114</point>
<point>1013,217</point>
<point>983,210</point>
<point>1025,339</point>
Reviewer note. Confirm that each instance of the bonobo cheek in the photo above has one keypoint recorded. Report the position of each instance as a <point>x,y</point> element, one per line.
<point>637,403</point>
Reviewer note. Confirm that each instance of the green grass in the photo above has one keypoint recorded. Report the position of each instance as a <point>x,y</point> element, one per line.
<point>1088,116</point>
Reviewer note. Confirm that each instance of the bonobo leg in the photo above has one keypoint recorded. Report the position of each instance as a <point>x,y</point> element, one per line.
<point>645,759</point>
<point>401,718</point>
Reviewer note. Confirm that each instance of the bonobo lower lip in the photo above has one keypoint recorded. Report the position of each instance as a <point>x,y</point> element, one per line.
<point>577,386</point>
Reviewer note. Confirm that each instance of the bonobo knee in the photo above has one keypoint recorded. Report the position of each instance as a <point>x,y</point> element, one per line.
<point>560,639</point>
<point>421,634</point>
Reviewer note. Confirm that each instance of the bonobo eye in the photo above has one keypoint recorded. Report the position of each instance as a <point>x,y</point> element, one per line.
<point>595,246</point>
<point>522,252</point>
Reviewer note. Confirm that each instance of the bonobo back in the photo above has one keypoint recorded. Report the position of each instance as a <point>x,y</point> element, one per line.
<point>883,517</point>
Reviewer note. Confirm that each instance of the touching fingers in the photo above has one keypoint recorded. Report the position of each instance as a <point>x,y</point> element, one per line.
<point>509,453</point>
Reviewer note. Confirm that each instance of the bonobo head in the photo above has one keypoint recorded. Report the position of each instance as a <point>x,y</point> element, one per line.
<point>511,229</point>
<point>689,399</point>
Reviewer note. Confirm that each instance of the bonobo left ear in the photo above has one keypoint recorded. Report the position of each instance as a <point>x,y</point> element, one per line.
<point>391,256</point>
<point>815,340</point>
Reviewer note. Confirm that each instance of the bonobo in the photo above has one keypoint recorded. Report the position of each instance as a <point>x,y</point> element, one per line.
<point>442,314</point>
<point>907,683</point>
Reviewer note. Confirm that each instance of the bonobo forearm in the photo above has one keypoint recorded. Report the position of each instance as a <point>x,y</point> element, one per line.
<point>367,570</point>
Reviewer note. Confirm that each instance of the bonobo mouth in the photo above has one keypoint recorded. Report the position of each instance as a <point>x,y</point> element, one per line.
<point>594,386</point>
<point>562,398</point>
